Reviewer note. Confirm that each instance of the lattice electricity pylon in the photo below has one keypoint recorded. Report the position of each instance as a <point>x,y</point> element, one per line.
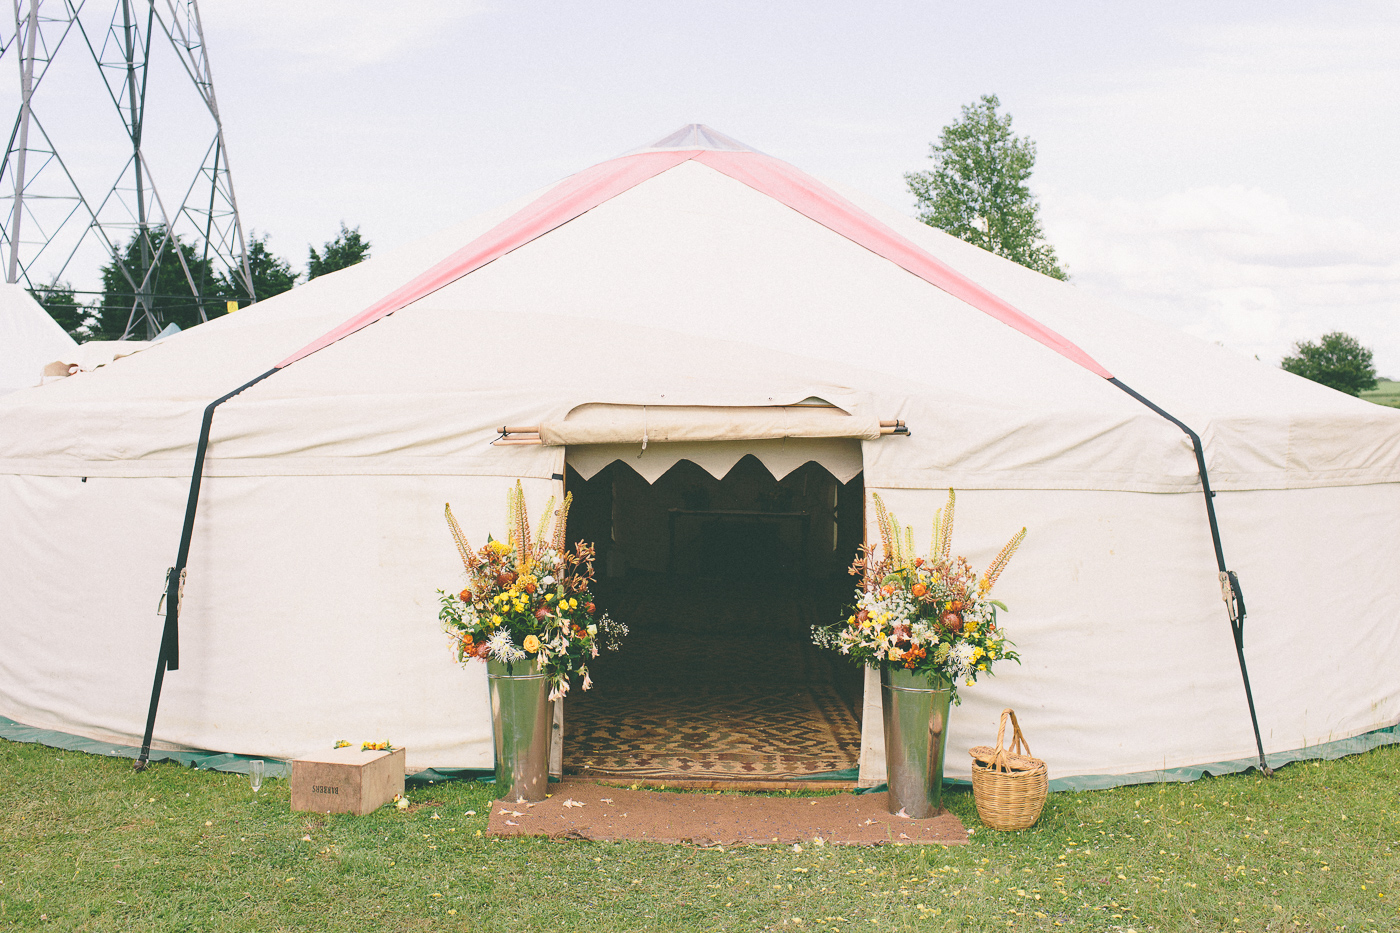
<point>54,213</point>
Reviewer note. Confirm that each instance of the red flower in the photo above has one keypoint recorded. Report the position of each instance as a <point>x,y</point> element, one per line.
<point>542,613</point>
<point>952,621</point>
<point>465,596</point>
<point>589,608</point>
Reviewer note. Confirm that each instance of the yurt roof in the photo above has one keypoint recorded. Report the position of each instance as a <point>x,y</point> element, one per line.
<point>29,339</point>
<point>693,284</point>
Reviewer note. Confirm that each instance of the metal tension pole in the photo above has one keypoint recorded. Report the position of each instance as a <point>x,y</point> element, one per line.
<point>168,659</point>
<point>1229,583</point>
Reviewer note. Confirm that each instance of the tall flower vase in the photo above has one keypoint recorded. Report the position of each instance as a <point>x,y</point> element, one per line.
<point>520,719</point>
<point>916,736</point>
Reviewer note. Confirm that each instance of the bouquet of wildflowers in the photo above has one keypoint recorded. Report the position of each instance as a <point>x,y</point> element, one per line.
<point>528,598</point>
<point>930,615</point>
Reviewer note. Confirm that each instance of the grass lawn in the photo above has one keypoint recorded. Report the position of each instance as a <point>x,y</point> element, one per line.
<point>87,844</point>
<point>1386,392</point>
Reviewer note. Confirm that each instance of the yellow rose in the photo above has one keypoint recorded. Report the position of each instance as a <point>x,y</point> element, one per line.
<point>532,644</point>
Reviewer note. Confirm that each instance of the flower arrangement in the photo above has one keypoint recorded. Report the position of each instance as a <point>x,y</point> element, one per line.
<point>930,615</point>
<point>528,598</point>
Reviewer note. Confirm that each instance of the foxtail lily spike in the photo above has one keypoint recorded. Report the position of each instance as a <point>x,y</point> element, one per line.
<point>544,524</point>
<point>882,518</point>
<point>1002,559</point>
<point>463,548</point>
<point>945,537</point>
<point>561,523</point>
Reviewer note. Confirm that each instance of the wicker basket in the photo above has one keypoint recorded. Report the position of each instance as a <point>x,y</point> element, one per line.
<point>1008,785</point>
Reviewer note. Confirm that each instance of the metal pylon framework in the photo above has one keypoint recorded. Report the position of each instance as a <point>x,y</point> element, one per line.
<point>54,212</point>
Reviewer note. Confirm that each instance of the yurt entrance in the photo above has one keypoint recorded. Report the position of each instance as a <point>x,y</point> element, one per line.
<point>719,581</point>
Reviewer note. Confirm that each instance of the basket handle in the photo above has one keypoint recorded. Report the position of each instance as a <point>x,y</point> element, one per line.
<point>1019,745</point>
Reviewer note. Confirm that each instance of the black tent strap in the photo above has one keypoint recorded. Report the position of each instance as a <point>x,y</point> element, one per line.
<point>1230,584</point>
<point>168,657</point>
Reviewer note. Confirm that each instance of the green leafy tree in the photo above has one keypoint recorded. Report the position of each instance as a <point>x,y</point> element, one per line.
<point>172,299</point>
<point>1337,360</point>
<point>272,275</point>
<point>345,250</point>
<point>59,299</point>
<point>977,188</point>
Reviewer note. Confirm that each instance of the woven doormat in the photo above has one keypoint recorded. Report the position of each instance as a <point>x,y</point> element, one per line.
<point>580,810</point>
<point>721,731</point>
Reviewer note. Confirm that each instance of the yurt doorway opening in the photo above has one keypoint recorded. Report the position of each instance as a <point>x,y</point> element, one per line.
<point>720,582</point>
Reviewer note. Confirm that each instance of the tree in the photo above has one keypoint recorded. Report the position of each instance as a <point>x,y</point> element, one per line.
<point>345,250</point>
<point>977,188</point>
<point>1338,361</point>
<point>272,275</point>
<point>171,297</point>
<point>59,299</point>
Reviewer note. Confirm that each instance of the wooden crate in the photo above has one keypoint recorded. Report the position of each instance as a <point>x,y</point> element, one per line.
<point>347,780</point>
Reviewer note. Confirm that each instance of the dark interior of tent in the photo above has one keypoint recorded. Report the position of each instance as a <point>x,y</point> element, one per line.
<point>719,582</point>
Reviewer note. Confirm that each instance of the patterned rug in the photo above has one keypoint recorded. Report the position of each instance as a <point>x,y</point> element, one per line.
<point>714,683</point>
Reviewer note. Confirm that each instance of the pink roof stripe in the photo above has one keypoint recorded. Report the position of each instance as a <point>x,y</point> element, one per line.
<point>572,197</point>
<point>788,185</point>
<point>812,199</point>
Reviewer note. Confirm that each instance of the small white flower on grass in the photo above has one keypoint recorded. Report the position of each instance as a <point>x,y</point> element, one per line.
<point>471,813</point>
<point>796,848</point>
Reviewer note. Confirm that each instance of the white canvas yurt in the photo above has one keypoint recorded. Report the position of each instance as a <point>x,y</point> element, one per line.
<point>29,339</point>
<point>694,306</point>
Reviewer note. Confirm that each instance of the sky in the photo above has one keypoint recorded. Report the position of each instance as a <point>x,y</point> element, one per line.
<point>1226,167</point>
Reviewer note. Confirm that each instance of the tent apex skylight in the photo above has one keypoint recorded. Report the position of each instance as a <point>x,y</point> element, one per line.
<point>697,136</point>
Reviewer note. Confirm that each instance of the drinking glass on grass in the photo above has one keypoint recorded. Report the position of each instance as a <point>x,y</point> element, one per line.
<point>255,774</point>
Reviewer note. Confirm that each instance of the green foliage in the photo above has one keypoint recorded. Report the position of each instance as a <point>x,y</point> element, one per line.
<point>1386,392</point>
<point>345,250</point>
<point>172,298</point>
<point>1338,361</point>
<point>977,188</point>
<point>86,844</point>
<point>272,275</point>
<point>59,299</point>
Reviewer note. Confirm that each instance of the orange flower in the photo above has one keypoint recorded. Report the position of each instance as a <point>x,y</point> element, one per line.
<point>920,589</point>
<point>886,590</point>
<point>465,596</point>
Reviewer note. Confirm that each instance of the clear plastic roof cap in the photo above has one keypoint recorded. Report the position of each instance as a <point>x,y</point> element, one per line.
<point>697,136</point>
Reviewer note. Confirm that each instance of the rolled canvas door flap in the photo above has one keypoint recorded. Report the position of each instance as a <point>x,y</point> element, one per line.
<point>648,424</point>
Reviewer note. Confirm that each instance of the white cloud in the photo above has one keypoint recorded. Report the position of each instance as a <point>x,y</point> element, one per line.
<point>1236,265</point>
<point>335,35</point>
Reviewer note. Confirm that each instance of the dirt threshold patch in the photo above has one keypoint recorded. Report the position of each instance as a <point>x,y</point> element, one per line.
<point>579,810</point>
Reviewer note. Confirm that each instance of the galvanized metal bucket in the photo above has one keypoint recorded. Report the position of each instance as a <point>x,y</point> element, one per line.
<point>916,737</point>
<point>520,719</point>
